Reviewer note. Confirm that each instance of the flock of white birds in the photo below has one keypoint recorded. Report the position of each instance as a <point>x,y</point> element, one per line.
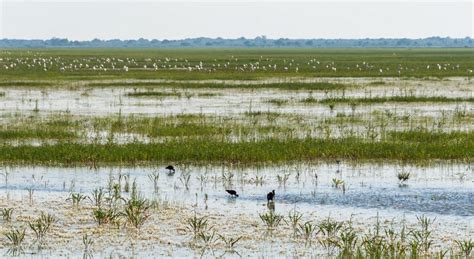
<point>103,64</point>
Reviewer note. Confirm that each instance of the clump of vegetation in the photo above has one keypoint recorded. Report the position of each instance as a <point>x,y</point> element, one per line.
<point>277,102</point>
<point>230,242</point>
<point>307,230</point>
<point>294,218</point>
<point>465,247</point>
<point>98,197</point>
<point>154,178</point>
<point>16,237</point>
<point>337,183</point>
<point>7,214</point>
<point>422,237</point>
<point>136,211</point>
<point>76,198</point>
<point>400,99</point>
<point>329,227</point>
<point>87,241</point>
<point>197,225</point>
<point>105,216</point>
<point>42,225</point>
<point>154,94</point>
<point>271,219</point>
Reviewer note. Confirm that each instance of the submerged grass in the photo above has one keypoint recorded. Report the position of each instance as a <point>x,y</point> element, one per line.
<point>186,85</point>
<point>402,99</point>
<point>420,136</point>
<point>154,93</point>
<point>36,134</point>
<point>25,83</point>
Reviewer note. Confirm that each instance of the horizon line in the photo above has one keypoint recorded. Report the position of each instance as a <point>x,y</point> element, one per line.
<point>262,37</point>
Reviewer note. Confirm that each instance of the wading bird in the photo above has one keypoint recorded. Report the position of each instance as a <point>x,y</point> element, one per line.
<point>271,196</point>
<point>232,193</point>
<point>171,169</point>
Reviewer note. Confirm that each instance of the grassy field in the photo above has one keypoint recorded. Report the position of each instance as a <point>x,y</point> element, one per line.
<point>245,64</point>
<point>253,136</point>
<point>266,151</point>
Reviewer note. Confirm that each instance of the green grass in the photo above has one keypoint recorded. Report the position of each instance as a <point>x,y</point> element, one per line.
<point>349,63</point>
<point>170,94</point>
<point>155,94</point>
<point>35,134</point>
<point>25,83</point>
<point>377,83</point>
<point>215,151</point>
<point>188,85</point>
<point>418,136</point>
<point>399,99</point>
<point>277,102</point>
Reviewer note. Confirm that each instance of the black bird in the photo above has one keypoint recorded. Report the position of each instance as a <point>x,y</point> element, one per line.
<point>232,193</point>
<point>171,169</point>
<point>271,196</point>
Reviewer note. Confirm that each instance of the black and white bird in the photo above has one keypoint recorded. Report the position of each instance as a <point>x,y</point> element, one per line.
<point>271,196</point>
<point>232,193</point>
<point>171,169</point>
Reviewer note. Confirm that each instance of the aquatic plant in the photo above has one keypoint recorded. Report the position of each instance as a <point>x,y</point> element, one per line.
<point>16,237</point>
<point>134,194</point>
<point>330,227</point>
<point>87,241</point>
<point>105,216</point>
<point>76,198</point>
<point>230,242</point>
<point>282,179</point>
<point>31,192</point>
<point>465,247</point>
<point>42,225</point>
<point>294,218</point>
<point>126,187</point>
<point>271,219</point>
<point>307,230</point>
<point>346,242</point>
<point>7,214</point>
<point>337,183</point>
<point>154,178</point>
<point>421,238</point>
<point>98,197</point>
<point>196,225</point>
<point>185,178</point>
<point>209,238</point>
<point>136,211</point>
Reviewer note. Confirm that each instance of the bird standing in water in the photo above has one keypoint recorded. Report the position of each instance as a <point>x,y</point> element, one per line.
<point>271,196</point>
<point>232,193</point>
<point>171,169</point>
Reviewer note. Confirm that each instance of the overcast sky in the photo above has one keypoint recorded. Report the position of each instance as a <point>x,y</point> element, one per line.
<point>107,19</point>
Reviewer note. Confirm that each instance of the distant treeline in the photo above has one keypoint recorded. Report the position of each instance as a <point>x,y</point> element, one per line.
<point>261,42</point>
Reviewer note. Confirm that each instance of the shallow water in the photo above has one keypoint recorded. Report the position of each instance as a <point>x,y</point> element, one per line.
<point>112,100</point>
<point>446,189</point>
<point>441,191</point>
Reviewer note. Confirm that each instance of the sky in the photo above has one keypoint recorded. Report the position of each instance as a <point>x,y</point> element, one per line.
<point>107,19</point>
